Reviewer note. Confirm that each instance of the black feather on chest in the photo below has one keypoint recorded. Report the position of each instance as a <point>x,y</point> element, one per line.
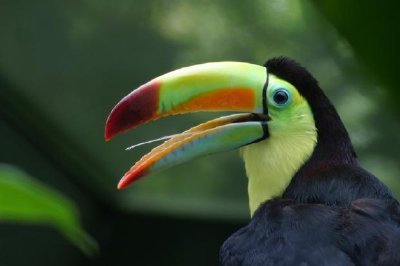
<point>283,232</point>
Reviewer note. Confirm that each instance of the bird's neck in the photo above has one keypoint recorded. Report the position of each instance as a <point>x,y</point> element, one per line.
<point>332,166</point>
<point>297,154</point>
<point>271,163</point>
<point>334,147</point>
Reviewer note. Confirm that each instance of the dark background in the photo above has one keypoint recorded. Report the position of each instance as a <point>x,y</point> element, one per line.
<point>65,64</point>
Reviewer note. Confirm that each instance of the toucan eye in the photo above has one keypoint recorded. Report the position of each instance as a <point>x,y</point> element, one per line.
<point>280,97</point>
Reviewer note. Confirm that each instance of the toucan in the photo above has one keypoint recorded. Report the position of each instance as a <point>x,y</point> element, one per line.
<point>311,203</point>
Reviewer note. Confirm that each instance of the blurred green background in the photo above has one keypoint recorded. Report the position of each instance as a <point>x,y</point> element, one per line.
<point>65,64</point>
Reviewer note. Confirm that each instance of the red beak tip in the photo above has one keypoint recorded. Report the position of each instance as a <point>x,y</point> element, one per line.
<point>120,186</point>
<point>124,182</point>
<point>109,131</point>
<point>107,137</point>
<point>130,177</point>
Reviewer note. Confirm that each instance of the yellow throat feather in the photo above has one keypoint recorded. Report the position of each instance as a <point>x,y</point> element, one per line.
<point>270,164</point>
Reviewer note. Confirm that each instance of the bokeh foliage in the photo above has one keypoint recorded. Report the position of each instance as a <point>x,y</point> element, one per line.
<point>63,66</point>
<point>372,31</point>
<point>24,200</point>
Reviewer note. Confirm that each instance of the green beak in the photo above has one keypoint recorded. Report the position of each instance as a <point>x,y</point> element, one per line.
<point>222,86</point>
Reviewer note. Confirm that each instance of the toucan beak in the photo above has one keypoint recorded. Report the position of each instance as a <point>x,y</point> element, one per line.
<point>221,86</point>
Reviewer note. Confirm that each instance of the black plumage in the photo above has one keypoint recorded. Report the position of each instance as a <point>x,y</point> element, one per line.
<point>332,213</point>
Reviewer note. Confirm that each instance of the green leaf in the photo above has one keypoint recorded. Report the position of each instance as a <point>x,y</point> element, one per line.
<point>25,200</point>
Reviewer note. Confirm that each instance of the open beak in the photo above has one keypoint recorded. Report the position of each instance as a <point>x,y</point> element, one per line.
<point>221,86</point>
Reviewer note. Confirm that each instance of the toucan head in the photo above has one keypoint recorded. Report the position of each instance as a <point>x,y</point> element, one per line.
<point>275,128</point>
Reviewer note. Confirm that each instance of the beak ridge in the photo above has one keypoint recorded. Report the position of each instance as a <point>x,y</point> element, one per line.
<point>220,86</point>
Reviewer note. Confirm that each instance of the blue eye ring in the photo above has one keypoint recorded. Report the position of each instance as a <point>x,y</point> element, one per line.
<point>281,97</point>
